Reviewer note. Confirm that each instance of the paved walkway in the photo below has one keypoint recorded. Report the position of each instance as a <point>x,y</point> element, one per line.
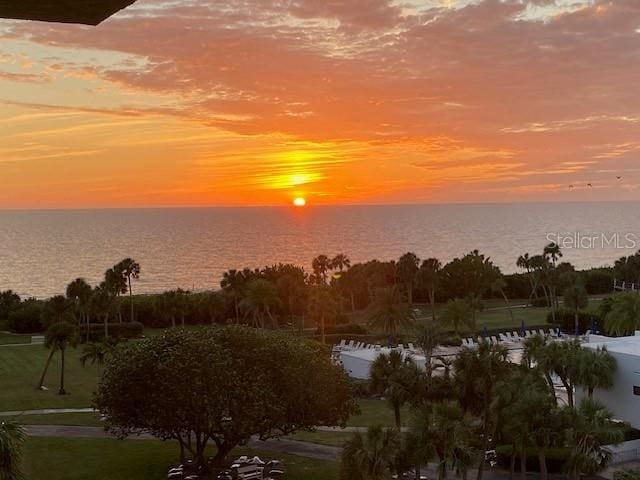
<point>46,411</point>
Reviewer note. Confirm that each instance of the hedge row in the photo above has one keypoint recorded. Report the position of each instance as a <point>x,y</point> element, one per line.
<point>119,330</point>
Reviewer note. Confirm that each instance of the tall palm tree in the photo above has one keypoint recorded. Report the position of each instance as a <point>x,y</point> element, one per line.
<point>592,430</point>
<point>58,337</point>
<point>575,299</point>
<point>477,371</point>
<point>406,270</point>
<point>370,456</point>
<point>396,377</point>
<point>443,430</point>
<point>498,286</point>
<point>321,266</point>
<point>340,262</point>
<point>536,355</point>
<point>233,284</point>
<point>79,291</point>
<point>563,360</point>
<point>260,297</point>
<point>322,306</point>
<point>428,337</point>
<point>12,438</point>
<point>129,269</point>
<point>389,312</point>
<point>457,313</point>
<point>428,278</point>
<point>596,369</point>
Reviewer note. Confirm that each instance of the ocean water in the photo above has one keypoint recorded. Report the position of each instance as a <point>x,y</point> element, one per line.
<point>42,251</point>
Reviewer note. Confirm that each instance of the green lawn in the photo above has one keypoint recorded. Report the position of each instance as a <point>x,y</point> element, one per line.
<point>11,338</point>
<point>376,412</point>
<point>20,370</point>
<point>106,459</point>
<point>335,439</point>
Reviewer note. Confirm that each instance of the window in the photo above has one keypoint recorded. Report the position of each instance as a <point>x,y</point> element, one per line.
<point>636,390</point>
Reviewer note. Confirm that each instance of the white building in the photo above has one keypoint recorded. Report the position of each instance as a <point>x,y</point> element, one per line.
<point>357,363</point>
<point>623,399</point>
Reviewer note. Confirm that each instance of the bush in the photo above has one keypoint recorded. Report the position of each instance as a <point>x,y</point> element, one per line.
<point>539,302</point>
<point>630,474</point>
<point>556,458</point>
<point>598,280</point>
<point>345,329</point>
<point>118,330</point>
<point>566,319</point>
<point>27,318</point>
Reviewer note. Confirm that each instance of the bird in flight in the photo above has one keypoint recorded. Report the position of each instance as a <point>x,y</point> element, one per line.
<point>589,185</point>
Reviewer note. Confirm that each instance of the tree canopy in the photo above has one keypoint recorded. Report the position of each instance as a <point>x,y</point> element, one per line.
<point>222,386</point>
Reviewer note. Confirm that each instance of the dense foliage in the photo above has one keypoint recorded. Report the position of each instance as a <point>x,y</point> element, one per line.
<point>221,386</point>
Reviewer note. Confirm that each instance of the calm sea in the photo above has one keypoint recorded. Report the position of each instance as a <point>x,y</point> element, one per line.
<point>41,251</point>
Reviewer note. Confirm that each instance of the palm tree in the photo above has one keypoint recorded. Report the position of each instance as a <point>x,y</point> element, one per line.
<point>428,277</point>
<point>457,313</point>
<point>79,291</point>
<point>322,306</point>
<point>406,270</point>
<point>443,430</point>
<point>592,430</point>
<point>97,352</point>
<point>233,284</point>
<point>395,376</point>
<point>563,360</point>
<point>259,298</point>
<point>624,316</point>
<point>12,438</point>
<point>576,298</point>
<point>389,311</point>
<point>498,286</point>
<point>536,355</point>
<point>428,337</point>
<point>596,369</point>
<point>370,456</point>
<point>129,269</point>
<point>321,265</point>
<point>340,262</point>
<point>59,336</point>
<point>477,371</point>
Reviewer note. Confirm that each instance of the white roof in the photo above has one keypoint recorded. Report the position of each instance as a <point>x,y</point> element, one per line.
<point>371,354</point>
<point>626,345</point>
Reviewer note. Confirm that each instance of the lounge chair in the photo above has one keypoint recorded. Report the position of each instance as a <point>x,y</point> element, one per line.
<point>542,332</point>
<point>503,337</point>
<point>494,340</point>
<point>412,346</point>
<point>343,343</point>
<point>401,346</point>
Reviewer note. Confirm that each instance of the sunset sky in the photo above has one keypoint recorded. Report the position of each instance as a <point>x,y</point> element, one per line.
<point>257,102</point>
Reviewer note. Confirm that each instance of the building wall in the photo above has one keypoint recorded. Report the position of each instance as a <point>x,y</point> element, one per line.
<point>621,399</point>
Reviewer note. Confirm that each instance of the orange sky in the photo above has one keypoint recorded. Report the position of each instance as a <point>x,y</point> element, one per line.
<point>192,102</point>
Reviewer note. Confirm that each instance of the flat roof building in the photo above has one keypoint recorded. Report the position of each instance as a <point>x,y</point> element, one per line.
<point>623,399</point>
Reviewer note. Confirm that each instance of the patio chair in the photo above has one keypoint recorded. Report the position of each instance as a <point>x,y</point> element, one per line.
<point>412,346</point>
<point>541,331</point>
<point>503,337</point>
<point>494,340</point>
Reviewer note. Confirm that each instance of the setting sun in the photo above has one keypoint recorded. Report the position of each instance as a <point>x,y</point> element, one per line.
<point>299,202</point>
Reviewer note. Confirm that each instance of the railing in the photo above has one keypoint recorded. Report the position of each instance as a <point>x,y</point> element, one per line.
<point>625,286</point>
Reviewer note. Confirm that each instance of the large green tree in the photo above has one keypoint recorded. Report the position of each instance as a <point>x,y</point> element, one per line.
<point>428,278</point>
<point>223,386</point>
<point>457,314</point>
<point>259,300</point>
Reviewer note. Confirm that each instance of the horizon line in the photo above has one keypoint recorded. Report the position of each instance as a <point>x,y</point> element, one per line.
<point>308,206</point>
